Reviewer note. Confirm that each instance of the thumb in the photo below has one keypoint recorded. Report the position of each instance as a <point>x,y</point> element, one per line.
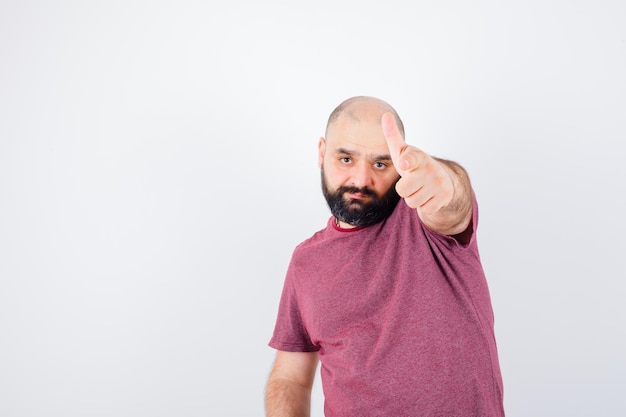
<point>395,141</point>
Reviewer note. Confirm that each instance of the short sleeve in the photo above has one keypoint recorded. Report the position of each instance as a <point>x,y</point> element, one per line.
<point>289,332</point>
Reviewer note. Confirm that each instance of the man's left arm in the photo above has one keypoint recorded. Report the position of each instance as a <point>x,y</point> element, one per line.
<point>438,189</point>
<point>455,217</point>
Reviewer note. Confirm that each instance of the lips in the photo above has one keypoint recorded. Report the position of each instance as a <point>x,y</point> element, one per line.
<point>356,199</point>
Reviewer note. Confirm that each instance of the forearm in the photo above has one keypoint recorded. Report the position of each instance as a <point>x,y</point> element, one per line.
<point>284,398</point>
<point>455,217</point>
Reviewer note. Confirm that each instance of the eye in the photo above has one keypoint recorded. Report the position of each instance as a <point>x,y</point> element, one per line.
<point>380,165</point>
<point>345,160</point>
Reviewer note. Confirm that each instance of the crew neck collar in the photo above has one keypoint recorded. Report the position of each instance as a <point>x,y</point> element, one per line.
<point>334,223</point>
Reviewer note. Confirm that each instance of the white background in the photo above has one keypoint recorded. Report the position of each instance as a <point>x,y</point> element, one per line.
<point>158,165</point>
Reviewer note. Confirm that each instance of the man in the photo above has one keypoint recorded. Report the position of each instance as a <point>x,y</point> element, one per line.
<point>390,297</point>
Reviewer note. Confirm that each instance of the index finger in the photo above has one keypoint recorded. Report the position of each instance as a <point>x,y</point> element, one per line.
<point>395,141</point>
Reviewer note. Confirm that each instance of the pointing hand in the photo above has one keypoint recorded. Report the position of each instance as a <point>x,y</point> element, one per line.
<point>426,183</point>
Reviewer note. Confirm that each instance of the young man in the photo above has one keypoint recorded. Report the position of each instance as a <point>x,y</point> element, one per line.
<point>390,297</point>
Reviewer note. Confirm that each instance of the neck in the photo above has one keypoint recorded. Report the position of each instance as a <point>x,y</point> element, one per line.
<point>343,225</point>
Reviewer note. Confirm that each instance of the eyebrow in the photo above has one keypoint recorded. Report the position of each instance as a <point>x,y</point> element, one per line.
<point>344,151</point>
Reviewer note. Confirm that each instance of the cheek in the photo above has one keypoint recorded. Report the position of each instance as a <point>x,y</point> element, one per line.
<point>385,184</point>
<point>335,177</point>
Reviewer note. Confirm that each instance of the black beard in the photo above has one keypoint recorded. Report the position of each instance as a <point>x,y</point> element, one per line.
<point>357,212</point>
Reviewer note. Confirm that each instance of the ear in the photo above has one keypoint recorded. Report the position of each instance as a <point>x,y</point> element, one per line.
<point>321,148</point>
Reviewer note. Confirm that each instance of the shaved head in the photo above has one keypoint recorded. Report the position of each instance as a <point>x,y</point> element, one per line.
<point>361,107</point>
<point>358,175</point>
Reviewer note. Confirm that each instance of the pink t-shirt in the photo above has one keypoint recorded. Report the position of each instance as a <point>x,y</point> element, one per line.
<point>401,317</point>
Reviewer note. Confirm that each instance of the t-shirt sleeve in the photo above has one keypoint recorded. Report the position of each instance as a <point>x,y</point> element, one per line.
<point>290,332</point>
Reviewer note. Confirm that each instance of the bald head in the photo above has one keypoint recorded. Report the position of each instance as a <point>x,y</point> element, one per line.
<point>362,108</point>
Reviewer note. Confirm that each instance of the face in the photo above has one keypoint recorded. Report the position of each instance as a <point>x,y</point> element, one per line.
<point>358,176</point>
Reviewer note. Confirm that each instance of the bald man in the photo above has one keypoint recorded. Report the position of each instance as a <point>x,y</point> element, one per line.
<point>390,297</point>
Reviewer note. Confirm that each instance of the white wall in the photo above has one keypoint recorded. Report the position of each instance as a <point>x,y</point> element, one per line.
<point>158,165</point>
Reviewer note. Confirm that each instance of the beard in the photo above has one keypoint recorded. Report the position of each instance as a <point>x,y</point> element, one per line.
<point>357,212</point>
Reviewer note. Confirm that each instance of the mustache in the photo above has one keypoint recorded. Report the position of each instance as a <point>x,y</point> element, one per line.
<point>356,190</point>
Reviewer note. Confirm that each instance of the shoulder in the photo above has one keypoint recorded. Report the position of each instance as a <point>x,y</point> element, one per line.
<point>315,239</point>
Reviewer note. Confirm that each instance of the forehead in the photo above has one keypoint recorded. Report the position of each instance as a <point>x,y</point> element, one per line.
<point>361,134</point>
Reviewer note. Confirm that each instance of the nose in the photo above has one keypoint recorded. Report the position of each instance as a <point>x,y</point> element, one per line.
<point>362,176</point>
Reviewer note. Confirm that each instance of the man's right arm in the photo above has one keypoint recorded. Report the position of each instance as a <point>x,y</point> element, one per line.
<point>288,391</point>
